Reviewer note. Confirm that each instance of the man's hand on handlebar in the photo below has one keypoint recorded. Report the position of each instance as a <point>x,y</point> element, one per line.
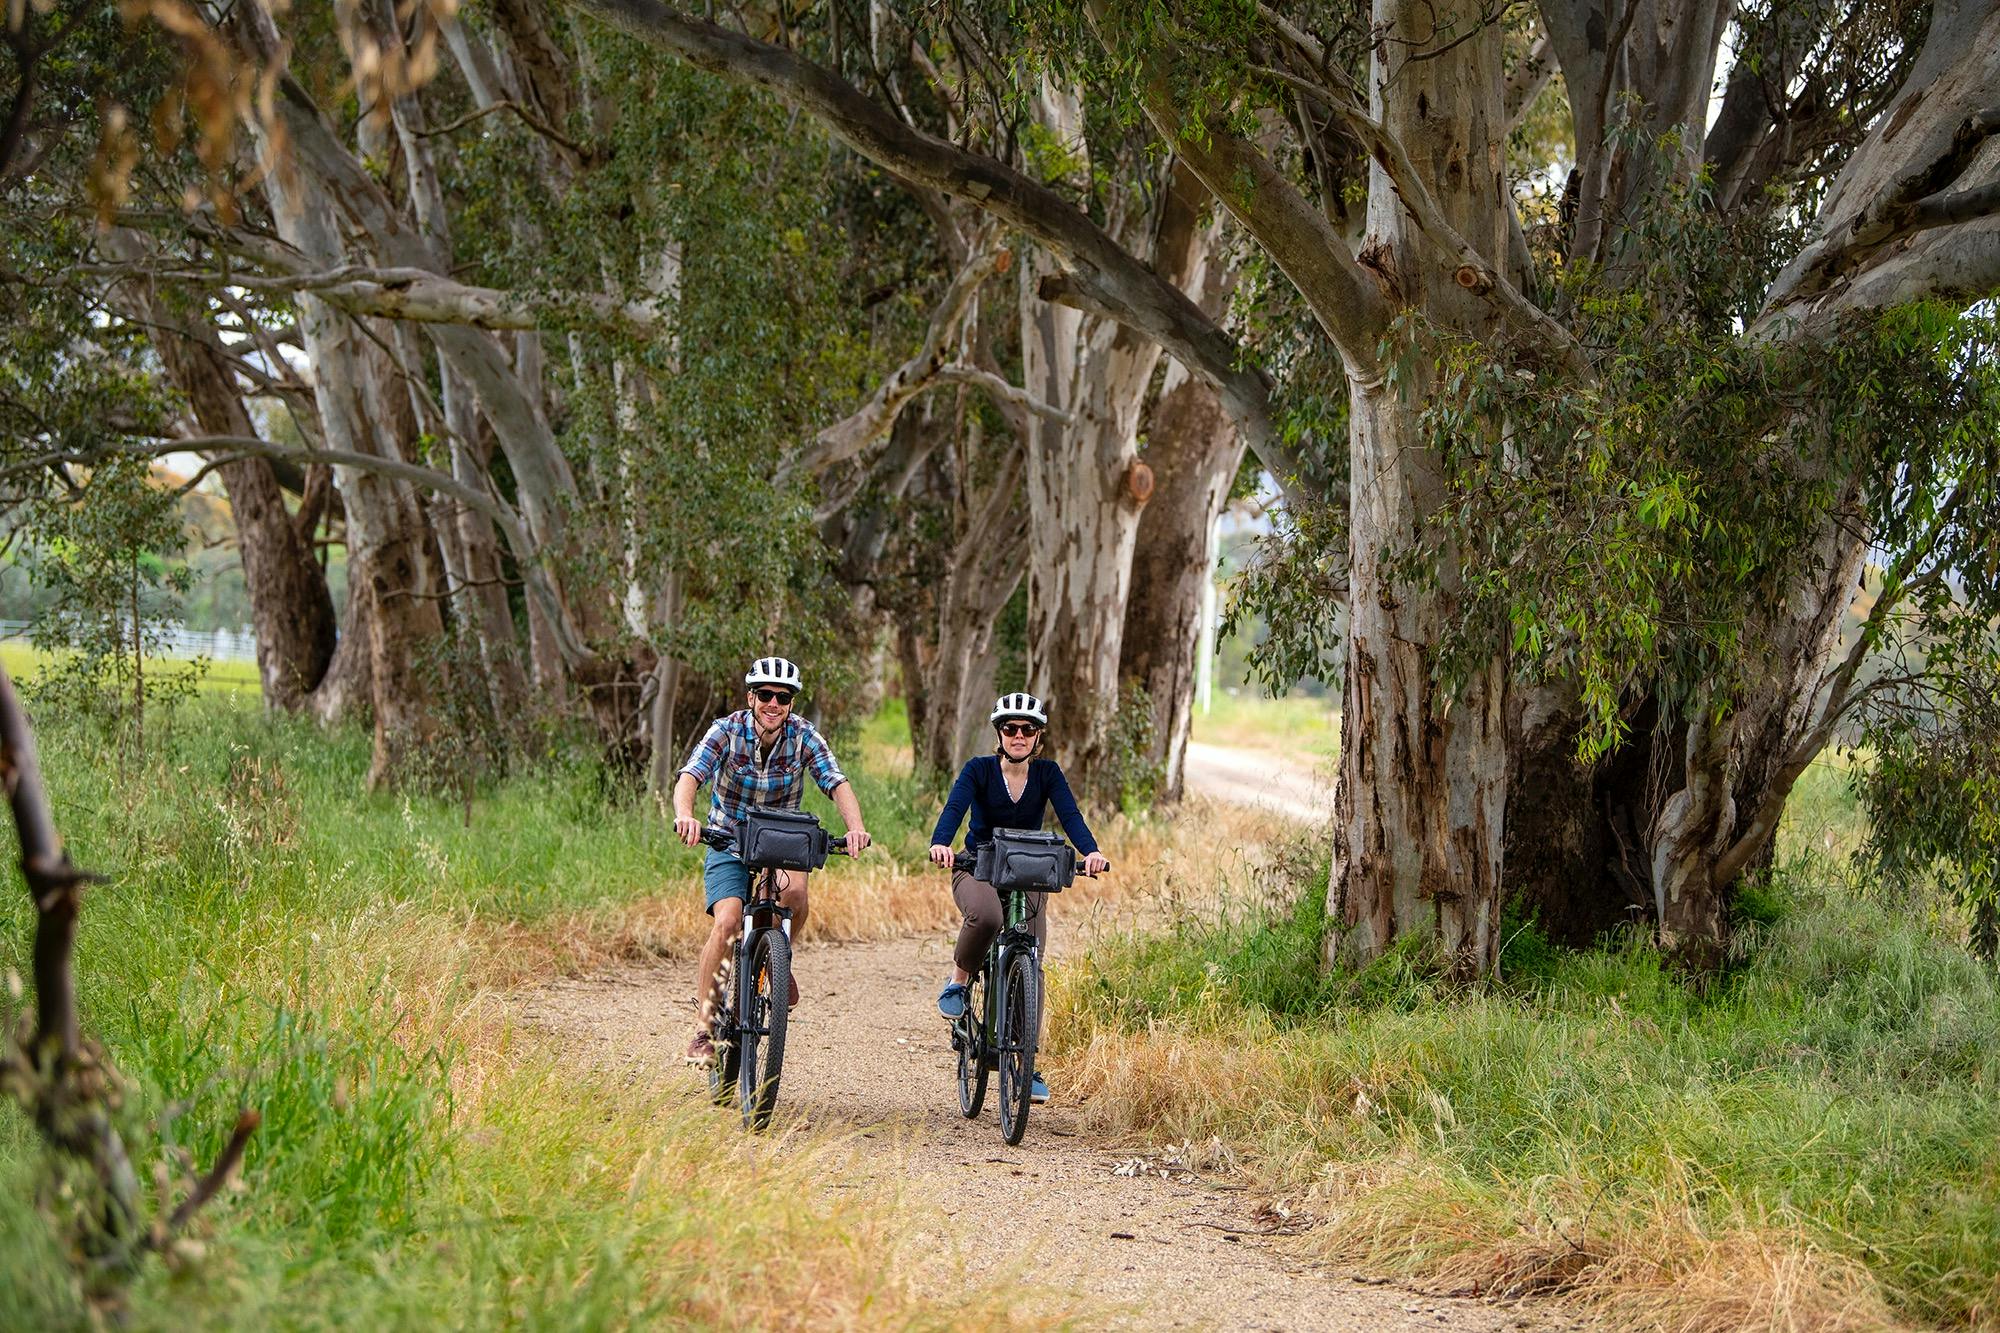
<point>940,854</point>
<point>1095,864</point>
<point>857,841</point>
<point>688,829</point>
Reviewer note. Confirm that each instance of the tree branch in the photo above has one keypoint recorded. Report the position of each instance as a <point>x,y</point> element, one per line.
<point>414,294</point>
<point>526,117</point>
<point>1920,201</point>
<point>218,1175</point>
<point>1117,283</point>
<point>871,423</point>
<point>1525,84</point>
<point>1474,273</point>
<point>55,884</point>
<point>1001,390</point>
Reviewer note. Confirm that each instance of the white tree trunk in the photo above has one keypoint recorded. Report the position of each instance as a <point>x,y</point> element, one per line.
<point>386,543</point>
<point>1423,778</point>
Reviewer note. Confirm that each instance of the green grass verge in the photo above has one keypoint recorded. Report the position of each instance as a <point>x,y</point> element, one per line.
<point>1830,1103</point>
<point>1295,725</point>
<point>270,937</point>
<point>23,661</point>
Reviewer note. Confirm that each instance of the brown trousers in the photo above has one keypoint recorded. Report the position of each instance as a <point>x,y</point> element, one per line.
<point>979,903</point>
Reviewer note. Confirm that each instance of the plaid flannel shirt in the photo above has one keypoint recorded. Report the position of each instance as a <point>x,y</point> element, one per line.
<point>727,755</point>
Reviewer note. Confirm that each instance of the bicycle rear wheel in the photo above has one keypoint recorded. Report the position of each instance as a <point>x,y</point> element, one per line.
<point>765,1012</point>
<point>1020,1011</point>
<point>968,1034</point>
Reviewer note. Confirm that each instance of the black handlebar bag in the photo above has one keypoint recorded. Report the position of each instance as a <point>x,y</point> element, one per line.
<point>781,840</point>
<point>1026,859</point>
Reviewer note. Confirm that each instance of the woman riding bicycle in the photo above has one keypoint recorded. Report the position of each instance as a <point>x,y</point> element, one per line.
<point>1012,789</point>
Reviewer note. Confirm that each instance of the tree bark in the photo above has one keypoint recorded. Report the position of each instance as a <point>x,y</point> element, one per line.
<point>1083,508</point>
<point>1194,451</point>
<point>483,598</point>
<point>346,691</point>
<point>387,544</point>
<point>1421,806</point>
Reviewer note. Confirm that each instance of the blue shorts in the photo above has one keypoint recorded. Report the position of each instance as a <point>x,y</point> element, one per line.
<point>724,876</point>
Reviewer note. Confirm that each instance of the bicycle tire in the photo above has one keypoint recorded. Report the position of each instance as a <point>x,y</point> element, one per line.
<point>969,1033</point>
<point>1020,1010</point>
<point>722,1067</point>
<point>765,993</point>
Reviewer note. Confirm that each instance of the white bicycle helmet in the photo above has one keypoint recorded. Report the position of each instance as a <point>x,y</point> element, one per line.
<point>1020,705</point>
<point>772,671</point>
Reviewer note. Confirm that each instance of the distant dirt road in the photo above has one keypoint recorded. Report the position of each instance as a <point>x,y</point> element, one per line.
<point>868,1054</point>
<point>1280,783</point>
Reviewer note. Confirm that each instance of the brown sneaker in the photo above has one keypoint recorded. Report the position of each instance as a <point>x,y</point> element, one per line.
<point>792,998</point>
<point>701,1048</point>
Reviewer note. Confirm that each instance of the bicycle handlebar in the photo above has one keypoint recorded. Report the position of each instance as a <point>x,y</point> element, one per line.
<point>726,842</point>
<point>967,860</point>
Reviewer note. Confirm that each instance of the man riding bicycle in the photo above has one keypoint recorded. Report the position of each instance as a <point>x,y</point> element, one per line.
<point>1012,789</point>
<point>757,757</point>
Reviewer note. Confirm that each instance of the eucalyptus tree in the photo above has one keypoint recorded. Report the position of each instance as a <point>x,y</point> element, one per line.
<point>78,71</point>
<point>1617,451</point>
<point>628,481</point>
<point>947,120</point>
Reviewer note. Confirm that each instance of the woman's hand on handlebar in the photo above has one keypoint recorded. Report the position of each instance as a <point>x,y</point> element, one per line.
<point>1095,864</point>
<point>940,854</point>
<point>688,829</point>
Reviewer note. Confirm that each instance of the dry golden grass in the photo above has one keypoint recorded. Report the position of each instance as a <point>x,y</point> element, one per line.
<point>709,1227</point>
<point>1659,1269</point>
<point>1282,1116</point>
<point>1198,856</point>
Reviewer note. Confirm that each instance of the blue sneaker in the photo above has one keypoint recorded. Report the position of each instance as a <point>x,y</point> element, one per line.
<point>1038,1091</point>
<point>953,999</point>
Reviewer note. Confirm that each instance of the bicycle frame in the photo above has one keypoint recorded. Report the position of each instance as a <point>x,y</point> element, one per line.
<point>986,1039</point>
<point>1014,936</point>
<point>743,1039</point>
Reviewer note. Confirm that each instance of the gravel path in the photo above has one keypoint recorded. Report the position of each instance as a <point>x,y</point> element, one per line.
<point>1266,780</point>
<point>1150,1243</point>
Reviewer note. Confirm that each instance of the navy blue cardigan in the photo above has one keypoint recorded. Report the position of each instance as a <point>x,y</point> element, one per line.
<point>982,790</point>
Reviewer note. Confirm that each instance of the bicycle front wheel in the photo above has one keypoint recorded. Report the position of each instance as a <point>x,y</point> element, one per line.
<point>765,1012</point>
<point>1020,1012</point>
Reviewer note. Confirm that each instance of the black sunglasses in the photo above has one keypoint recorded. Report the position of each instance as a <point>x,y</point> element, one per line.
<point>1019,729</point>
<point>774,696</point>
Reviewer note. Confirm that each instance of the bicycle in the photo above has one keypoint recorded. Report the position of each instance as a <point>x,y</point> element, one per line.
<point>749,1025</point>
<point>1001,1026</point>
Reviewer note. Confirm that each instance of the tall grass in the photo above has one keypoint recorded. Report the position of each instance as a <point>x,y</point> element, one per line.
<point>1298,725</point>
<point>270,937</point>
<point>1812,1141</point>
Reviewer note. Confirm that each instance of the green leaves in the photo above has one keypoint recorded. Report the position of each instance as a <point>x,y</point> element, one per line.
<point>1622,533</point>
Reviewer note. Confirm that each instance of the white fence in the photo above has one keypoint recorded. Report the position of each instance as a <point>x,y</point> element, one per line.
<point>220,645</point>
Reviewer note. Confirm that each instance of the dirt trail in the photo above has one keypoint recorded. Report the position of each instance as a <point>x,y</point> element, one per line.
<point>1265,780</point>
<point>867,1053</point>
